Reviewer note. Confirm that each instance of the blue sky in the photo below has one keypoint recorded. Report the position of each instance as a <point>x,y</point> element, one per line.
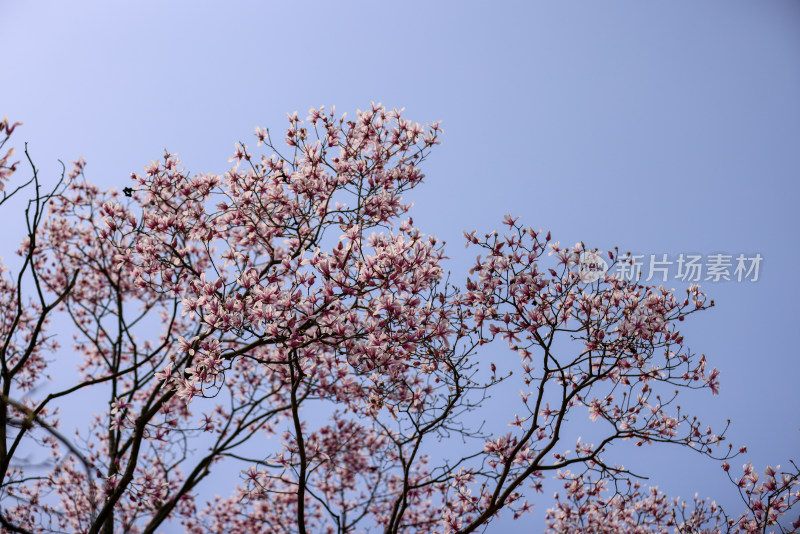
<point>659,127</point>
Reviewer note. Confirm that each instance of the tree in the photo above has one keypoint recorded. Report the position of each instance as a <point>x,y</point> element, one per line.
<point>223,317</point>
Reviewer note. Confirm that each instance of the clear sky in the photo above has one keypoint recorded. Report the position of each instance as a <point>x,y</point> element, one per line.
<point>660,127</point>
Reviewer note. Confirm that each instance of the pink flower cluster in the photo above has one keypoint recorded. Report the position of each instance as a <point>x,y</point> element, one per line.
<point>591,506</point>
<point>287,321</point>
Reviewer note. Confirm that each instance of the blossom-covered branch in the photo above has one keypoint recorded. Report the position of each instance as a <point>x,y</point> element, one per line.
<point>288,321</point>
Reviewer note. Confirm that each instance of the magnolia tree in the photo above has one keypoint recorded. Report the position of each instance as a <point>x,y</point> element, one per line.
<point>287,323</point>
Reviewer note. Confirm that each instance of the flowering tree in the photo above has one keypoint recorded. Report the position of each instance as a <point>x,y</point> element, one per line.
<point>285,321</point>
